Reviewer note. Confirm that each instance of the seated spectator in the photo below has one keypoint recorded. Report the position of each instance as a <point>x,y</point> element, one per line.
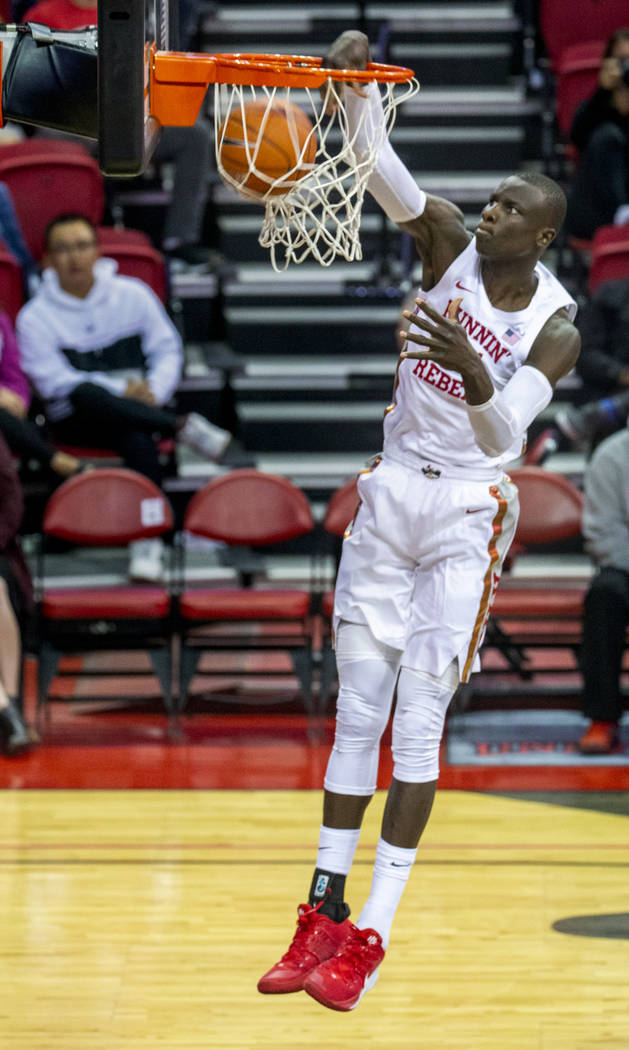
<point>600,132</point>
<point>23,437</point>
<point>188,149</point>
<point>603,367</point>
<point>15,607</point>
<point>606,531</point>
<point>102,353</point>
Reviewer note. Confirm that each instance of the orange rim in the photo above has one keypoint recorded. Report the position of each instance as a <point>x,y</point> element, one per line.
<point>179,80</point>
<point>280,66</point>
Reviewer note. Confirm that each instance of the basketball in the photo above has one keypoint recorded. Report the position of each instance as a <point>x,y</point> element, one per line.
<point>266,146</point>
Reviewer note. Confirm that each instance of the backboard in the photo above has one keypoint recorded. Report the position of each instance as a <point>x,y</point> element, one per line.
<point>127,134</point>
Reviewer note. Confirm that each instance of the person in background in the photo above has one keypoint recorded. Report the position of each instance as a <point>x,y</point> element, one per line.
<point>103,355</point>
<point>15,606</point>
<point>606,612</point>
<point>23,438</point>
<point>603,367</point>
<point>599,194</point>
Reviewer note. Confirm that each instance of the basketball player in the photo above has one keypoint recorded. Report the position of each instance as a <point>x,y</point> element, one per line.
<point>490,336</point>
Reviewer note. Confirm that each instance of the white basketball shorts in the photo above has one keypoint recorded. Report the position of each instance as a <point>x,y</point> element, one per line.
<point>421,562</point>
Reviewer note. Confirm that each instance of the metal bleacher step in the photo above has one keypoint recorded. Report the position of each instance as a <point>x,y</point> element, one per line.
<point>311,28</point>
<point>324,426</point>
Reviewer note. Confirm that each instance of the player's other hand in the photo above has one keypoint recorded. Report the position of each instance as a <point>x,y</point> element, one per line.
<point>350,50</point>
<point>441,339</point>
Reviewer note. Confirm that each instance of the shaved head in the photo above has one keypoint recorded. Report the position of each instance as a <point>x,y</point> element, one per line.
<point>554,195</point>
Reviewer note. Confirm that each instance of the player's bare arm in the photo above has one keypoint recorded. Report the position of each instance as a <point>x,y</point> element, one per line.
<point>557,347</point>
<point>439,234</point>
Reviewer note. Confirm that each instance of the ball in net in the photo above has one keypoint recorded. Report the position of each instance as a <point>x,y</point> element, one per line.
<point>266,148</point>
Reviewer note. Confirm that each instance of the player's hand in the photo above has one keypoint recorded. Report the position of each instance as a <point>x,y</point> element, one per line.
<point>350,50</point>
<point>444,340</point>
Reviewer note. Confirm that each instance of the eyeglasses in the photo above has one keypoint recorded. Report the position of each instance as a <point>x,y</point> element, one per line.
<point>67,249</point>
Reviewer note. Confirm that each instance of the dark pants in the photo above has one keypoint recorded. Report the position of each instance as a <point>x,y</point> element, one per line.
<point>24,439</point>
<point>601,182</point>
<point>604,631</point>
<point>129,427</point>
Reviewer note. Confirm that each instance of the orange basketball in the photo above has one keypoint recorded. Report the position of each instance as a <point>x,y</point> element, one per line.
<point>275,136</point>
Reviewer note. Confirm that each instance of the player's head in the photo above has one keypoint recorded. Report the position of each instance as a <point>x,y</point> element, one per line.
<point>71,248</point>
<point>522,217</point>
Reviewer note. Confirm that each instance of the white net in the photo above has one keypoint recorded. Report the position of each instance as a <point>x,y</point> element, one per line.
<point>314,209</point>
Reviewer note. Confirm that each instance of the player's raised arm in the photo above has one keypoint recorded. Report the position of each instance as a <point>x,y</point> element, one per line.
<point>436,224</point>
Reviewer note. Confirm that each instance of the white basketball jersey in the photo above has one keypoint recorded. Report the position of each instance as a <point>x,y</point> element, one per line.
<point>428,420</point>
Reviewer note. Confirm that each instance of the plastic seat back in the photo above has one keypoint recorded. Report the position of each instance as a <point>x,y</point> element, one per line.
<point>341,509</point>
<point>551,507</point>
<point>136,257</point>
<point>610,256</point>
<point>108,508</point>
<point>11,284</point>
<point>577,77</point>
<point>47,183</point>
<point>564,23</point>
<point>249,508</point>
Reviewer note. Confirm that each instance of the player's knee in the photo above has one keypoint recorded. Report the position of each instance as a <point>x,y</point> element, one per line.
<point>360,720</point>
<point>418,724</point>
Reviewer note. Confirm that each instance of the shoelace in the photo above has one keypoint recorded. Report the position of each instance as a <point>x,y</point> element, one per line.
<point>304,922</point>
<point>361,950</point>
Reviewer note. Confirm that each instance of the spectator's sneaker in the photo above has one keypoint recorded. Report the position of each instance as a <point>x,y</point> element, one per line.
<point>341,982</point>
<point>599,739</point>
<point>595,420</point>
<point>203,437</point>
<point>316,939</point>
<point>571,425</point>
<point>146,561</point>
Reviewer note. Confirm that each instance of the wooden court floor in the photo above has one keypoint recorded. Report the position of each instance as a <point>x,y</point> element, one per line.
<point>142,920</point>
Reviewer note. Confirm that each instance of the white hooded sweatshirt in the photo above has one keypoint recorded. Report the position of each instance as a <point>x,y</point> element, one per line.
<point>119,331</point>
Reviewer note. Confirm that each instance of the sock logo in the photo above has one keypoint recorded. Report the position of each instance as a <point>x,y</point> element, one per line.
<point>321,885</point>
<point>404,864</point>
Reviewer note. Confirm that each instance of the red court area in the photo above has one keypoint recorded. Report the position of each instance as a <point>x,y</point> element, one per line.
<point>265,741</point>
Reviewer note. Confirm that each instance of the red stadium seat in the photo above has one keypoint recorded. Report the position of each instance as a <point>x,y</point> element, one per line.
<point>136,257</point>
<point>45,181</point>
<point>609,256</point>
<point>11,284</point>
<point>247,508</point>
<point>543,616</point>
<point>577,76</point>
<point>104,508</point>
<point>564,23</point>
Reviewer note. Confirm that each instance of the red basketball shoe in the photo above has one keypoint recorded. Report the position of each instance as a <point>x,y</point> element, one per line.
<point>341,982</point>
<point>316,939</point>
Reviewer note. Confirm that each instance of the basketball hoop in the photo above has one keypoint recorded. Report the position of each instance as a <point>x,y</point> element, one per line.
<point>319,215</point>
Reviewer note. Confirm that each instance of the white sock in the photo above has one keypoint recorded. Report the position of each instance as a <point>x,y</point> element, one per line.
<point>337,847</point>
<point>391,870</point>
